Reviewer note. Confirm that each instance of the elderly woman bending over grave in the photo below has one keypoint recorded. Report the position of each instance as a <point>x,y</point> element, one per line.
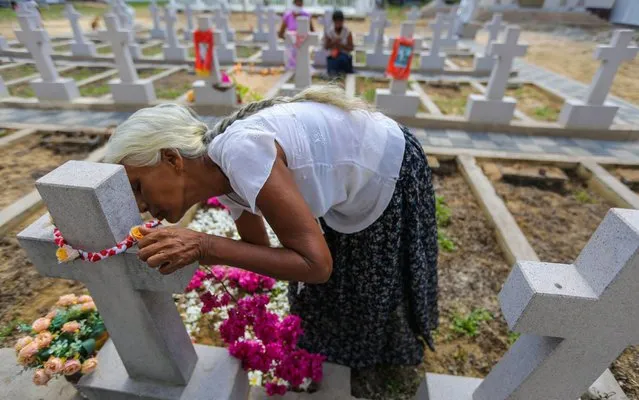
<point>347,191</point>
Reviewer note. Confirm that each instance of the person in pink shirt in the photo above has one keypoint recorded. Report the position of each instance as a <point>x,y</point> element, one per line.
<point>289,24</point>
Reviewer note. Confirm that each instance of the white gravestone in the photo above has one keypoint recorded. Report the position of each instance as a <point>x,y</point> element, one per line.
<point>302,39</point>
<point>226,52</point>
<point>435,60</point>
<point>592,112</point>
<point>173,50</point>
<point>320,52</point>
<point>378,56</point>
<point>398,101</point>
<point>371,37</point>
<point>50,86</point>
<point>260,35</point>
<point>450,40</point>
<point>413,15</point>
<point>80,46</point>
<point>156,32</point>
<point>493,107</point>
<point>205,90</point>
<point>3,89</point>
<point>575,320</point>
<point>188,31</point>
<point>123,22</point>
<point>274,54</point>
<point>149,354</point>
<point>128,89</point>
<point>221,20</point>
<point>465,27</point>
<point>29,9</point>
<point>485,62</point>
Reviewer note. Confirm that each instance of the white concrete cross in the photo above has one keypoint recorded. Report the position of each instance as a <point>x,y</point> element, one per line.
<point>188,31</point>
<point>575,319</point>
<point>302,39</point>
<point>173,50</point>
<point>450,40</point>
<point>320,52</point>
<point>505,52</point>
<point>494,27</point>
<point>380,26</point>
<point>119,39</point>
<point>485,62</point>
<point>80,46</point>
<point>122,12</point>
<point>29,9</point>
<point>414,14</point>
<point>465,14</point>
<point>435,60</point>
<point>150,354</point>
<point>156,32</point>
<point>370,37</point>
<point>38,44</point>
<point>612,56</point>
<point>221,22</point>
<point>260,35</point>
<point>274,54</point>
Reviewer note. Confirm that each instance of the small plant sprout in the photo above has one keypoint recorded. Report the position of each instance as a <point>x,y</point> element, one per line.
<point>469,325</point>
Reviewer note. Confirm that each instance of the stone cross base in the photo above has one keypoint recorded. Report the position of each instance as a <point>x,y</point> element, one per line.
<point>217,375</point>
<point>576,114</point>
<point>369,40</point>
<point>260,37</point>
<point>484,64</point>
<point>498,112</point>
<point>320,58</point>
<point>431,63</point>
<point>205,94</point>
<point>139,92</point>
<point>86,49</point>
<point>63,89</point>
<point>175,53</point>
<point>336,385</point>
<point>226,54</point>
<point>398,105</point>
<point>158,34</point>
<point>448,43</point>
<point>273,57</point>
<point>376,60</point>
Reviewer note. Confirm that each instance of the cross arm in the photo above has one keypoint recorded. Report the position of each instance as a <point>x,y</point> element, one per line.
<point>546,299</point>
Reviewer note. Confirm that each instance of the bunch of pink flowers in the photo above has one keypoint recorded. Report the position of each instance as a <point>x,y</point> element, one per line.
<point>215,203</point>
<point>234,277</point>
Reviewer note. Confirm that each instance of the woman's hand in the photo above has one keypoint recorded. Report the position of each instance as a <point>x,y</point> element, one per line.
<point>170,249</point>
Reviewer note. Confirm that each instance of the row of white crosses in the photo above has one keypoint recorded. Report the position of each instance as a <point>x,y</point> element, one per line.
<point>225,47</point>
<point>321,53</point>
<point>303,38</point>
<point>260,34</point>
<point>377,57</point>
<point>274,53</point>
<point>80,47</point>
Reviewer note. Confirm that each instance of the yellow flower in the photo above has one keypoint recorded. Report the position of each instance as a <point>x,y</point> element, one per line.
<point>136,234</point>
<point>62,254</point>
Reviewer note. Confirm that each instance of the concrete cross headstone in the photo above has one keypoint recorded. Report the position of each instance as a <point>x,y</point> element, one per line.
<point>120,11</point>
<point>435,61</point>
<point>221,21</point>
<point>302,39</point>
<point>450,40</point>
<point>485,62</point>
<point>274,54</point>
<point>378,56</point>
<point>592,112</point>
<point>156,32</point>
<point>320,52</point>
<point>493,107</point>
<point>188,15</point>
<point>149,354</point>
<point>260,34</point>
<point>29,8</point>
<point>466,13</point>
<point>128,89</point>
<point>370,37</point>
<point>414,14</point>
<point>80,46</point>
<point>173,50</point>
<point>398,101</point>
<point>207,92</point>
<point>574,320</point>
<point>50,86</point>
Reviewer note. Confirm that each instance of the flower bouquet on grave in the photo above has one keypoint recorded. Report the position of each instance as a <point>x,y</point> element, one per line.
<point>64,342</point>
<point>265,342</point>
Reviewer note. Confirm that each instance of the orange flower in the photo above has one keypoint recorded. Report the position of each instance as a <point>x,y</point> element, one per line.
<point>41,378</point>
<point>41,324</point>
<point>22,342</point>
<point>44,339</point>
<point>54,366</point>
<point>86,307</point>
<point>67,300</point>
<point>72,367</point>
<point>89,366</point>
<point>135,233</point>
<point>85,298</point>
<point>71,327</point>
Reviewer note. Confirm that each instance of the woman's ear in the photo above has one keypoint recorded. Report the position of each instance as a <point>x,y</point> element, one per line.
<point>173,158</point>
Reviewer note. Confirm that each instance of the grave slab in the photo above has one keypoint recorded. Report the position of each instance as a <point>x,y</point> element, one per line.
<point>576,114</point>
<point>139,92</point>
<point>481,109</point>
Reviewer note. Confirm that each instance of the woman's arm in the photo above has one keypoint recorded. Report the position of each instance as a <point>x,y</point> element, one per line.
<point>252,230</point>
<point>305,256</point>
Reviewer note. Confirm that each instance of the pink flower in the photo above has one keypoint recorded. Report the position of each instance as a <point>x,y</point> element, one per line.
<point>89,366</point>
<point>51,314</point>
<point>85,298</point>
<point>41,324</point>
<point>44,339</point>
<point>211,301</point>
<point>67,300</point>
<point>215,203</point>
<point>291,330</point>
<point>88,307</point>
<point>71,327</point>
<point>273,389</point>
<point>72,367</point>
<point>27,353</point>
<point>53,366</point>
<point>22,342</point>
<point>219,273</point>
<point>41,378</point>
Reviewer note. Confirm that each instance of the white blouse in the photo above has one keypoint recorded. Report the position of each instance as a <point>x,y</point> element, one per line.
<point>345,163</point>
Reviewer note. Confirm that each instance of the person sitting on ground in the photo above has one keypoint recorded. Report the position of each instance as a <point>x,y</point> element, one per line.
<point>338,40</point>
<point>289,24</point>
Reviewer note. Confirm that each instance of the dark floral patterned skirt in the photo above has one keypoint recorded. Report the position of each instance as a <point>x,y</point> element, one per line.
<point>380,304</point>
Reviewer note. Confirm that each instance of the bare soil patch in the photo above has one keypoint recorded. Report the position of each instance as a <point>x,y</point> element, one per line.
<point>450,97</point>
<point>174,85</point>
<point>536,102</point>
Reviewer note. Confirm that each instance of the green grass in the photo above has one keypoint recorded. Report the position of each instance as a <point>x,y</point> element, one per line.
<point>22,90</point>
<point>8,329</point>
<point>95,89</point>
<point>443,214</point>
<point>104,50</point>
<point>81,73</point>
<point>5,132</point>
<point>369,95</point>
<point>396,13</point>
<point>512,337</point>
<point>360,57</point>
<point>246,94</point>
<point>152,50</point>
<point>546,113</point>
<point>245,51</point>
<point>62,49</point>
<point>149,72</point>
<point>468,325</point>
<point>21,71</point>
<point>583,197</point>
